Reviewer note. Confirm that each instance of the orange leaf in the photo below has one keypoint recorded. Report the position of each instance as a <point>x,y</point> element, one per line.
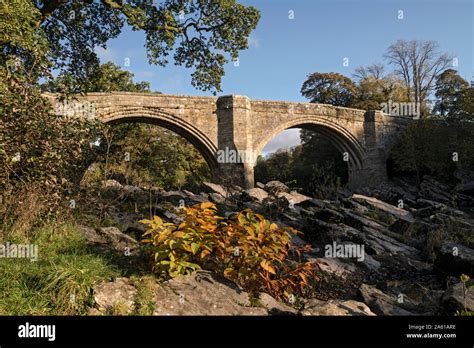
<point>267,267</point>
<point>207,205</point>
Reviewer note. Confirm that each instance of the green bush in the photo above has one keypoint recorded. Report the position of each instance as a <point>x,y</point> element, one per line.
<point>434,147</point>
<point>246,248</point>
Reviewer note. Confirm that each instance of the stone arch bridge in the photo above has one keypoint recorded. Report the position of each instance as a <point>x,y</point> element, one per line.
<point>221,127</point>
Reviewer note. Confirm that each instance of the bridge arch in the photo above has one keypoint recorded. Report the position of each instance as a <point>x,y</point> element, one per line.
<point>340,137</point>
<point>168,121</point>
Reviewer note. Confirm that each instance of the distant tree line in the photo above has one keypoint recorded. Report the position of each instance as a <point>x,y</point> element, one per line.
<point>439,143</point>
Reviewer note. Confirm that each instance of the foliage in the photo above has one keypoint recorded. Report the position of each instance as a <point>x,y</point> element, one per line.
<point>145,156</point>
<point>106,77</point>
<point>329,88</point>
<point>245,248</point>
<point>433,147</point>
<point>59,282</point>
<point>199,34</point>
<point>449,86</point>
<point>39,152</point>
<point>315,167</point>
<point>463,108</point>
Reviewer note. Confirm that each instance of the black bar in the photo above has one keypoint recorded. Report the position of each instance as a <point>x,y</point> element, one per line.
<point>287,330</point>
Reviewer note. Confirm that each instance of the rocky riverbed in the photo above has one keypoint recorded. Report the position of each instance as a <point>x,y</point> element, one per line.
<point>398,249</point>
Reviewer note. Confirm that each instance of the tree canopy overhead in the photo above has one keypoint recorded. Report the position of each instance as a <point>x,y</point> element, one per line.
<point>199,34</point>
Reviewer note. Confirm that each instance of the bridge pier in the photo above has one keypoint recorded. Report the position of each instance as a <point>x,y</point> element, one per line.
<point>235,154</point>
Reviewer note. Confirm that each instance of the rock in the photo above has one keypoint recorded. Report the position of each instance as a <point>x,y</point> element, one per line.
<point>260,185</point>
<point>455,259</point>
<point>334,267</point>
<point>200,198</point>
<point>216,198</point>
<point>329,215</point>
<point>274,187</point>
<point>381,303</point>
<point>91,235</point>
<point>215,188</point>
<point>313,202</point>
<point>466,188</point>
<point>174,197</point>
<point>333,307</point>
<point>130,189</point>
<point>293,197</point>
<point>119,293</point>
<point>370,263</point>
<point>274,307</point>
<point>203,293</point>
<point>119,241</point>
<point>382,243</point>
<point>399,213</point>
<point>456,297</point>
<point>255,194</point>
<point>359,221</point>
<point>110,183</point>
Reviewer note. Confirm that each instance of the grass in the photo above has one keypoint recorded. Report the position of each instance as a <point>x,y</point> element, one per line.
<point>60,282</point>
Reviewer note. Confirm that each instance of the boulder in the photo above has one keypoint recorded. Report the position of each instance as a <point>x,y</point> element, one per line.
<point>398,213</point>
<point>381,303</point>
<point>293,197</point>
<point>215,188</point>
<point>458,297</point>
<point>336,267</point>
<point>110,183</point>
<point>201,293</point>
<point>119,293</point>
<point>455,259</point>
<point>274,307</point>
<point>275,186</point>
<point>255,194</point>
<point>118,240</point>
<point>336,307</point>
<point>174,197</point>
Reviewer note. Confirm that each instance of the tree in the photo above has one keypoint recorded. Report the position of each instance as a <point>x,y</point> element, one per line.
<point>199,34</point>
<point>418,63</point>
<point>372,92</point>
<point>106,77</point>
<point>157,157</point>
<point>329,88</point>
<point>449,87</point>
<point>463,108</point>
<point>375,71</point>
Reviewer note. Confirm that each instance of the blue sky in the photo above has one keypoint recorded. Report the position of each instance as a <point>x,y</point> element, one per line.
<point>284,51</point>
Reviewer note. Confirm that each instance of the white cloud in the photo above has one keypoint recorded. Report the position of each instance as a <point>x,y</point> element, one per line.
<point>284,140</point>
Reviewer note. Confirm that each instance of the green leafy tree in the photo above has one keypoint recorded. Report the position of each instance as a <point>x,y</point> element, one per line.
<point>197,34</point>
<point>449,87</point>
<point>106,77</point>
<point>329,88</point>
<point>463,108</point>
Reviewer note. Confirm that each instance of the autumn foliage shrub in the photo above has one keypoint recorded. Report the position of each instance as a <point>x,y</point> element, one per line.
<point>246,248</point>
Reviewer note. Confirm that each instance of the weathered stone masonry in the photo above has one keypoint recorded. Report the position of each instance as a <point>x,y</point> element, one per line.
<point>239,123</point>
